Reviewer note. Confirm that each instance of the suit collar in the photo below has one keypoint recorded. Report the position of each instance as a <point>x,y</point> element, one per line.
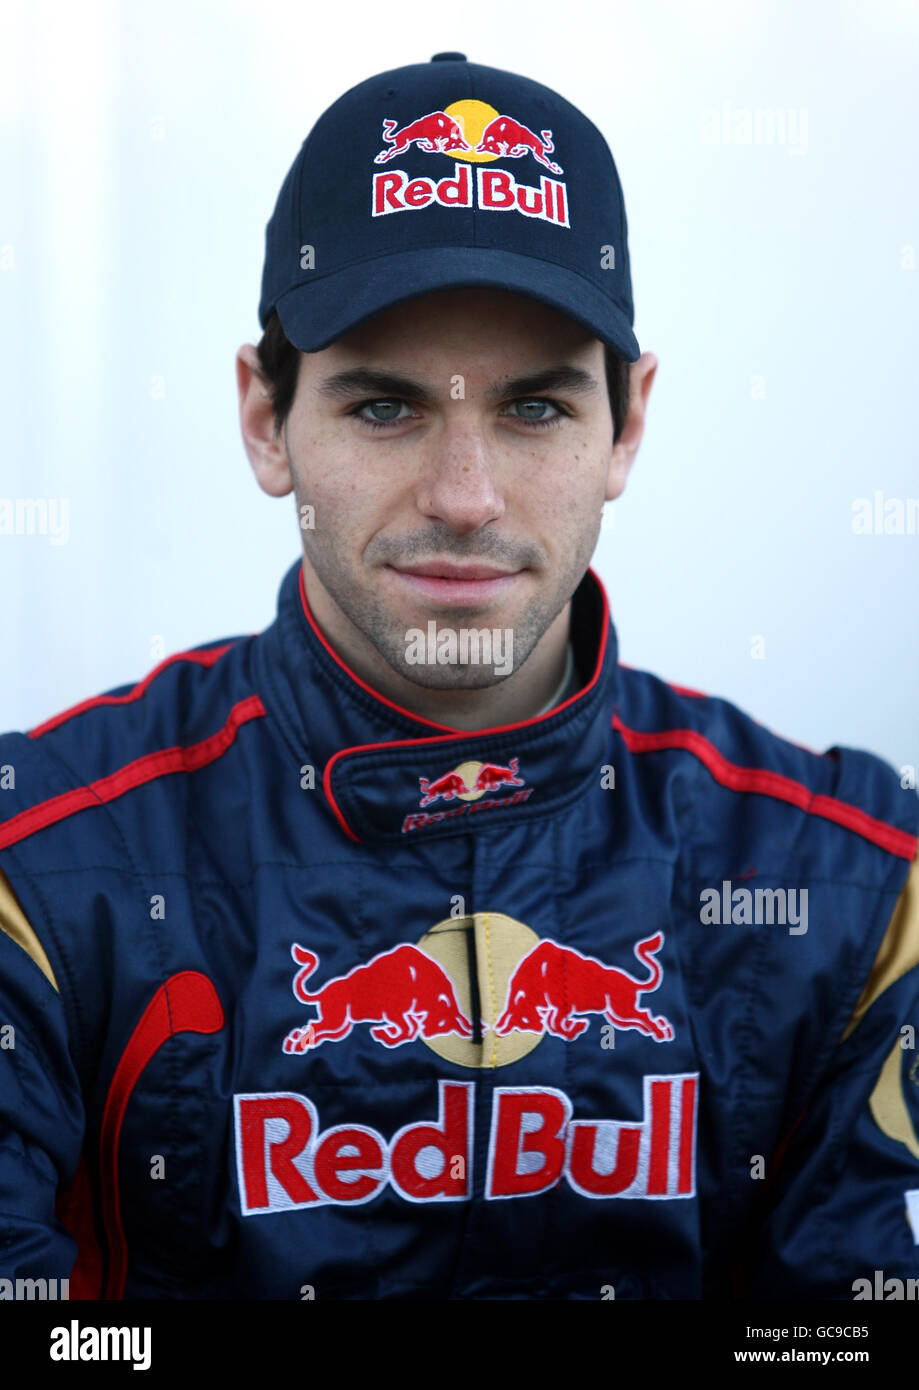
<point>389,775</point>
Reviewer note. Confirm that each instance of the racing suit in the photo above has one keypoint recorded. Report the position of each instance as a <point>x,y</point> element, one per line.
<point>302,992</point>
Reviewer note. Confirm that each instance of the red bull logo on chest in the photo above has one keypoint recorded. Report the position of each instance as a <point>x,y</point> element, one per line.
<point>424,993</point>
<point>402,993</point>
<point>285,1161</point>
<point>470,132</point>
<point>526,988</point>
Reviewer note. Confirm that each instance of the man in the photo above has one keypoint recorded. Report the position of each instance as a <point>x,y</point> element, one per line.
<point>414,947</point>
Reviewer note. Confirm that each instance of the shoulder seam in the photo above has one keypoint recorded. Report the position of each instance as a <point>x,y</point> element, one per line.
<point>179,758</point>
<point>208,656</point>
<point>765,782</point>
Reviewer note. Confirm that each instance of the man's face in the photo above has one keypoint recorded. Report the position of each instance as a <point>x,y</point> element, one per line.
<point>456,451</point>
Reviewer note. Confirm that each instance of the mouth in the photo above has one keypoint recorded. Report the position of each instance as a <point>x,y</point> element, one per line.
<point>449,582</point>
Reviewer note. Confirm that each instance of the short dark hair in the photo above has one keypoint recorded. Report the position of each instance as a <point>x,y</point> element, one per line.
<point>280,363</point>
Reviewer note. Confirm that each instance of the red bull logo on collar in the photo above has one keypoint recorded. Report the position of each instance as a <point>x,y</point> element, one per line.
<point>466,784</point>
<point>469,132</point>
<point>487,777</point>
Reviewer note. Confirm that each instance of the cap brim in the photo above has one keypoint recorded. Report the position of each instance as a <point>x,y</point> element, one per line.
<point>317,313</point>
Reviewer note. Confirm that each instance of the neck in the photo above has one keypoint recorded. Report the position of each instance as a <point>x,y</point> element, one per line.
<point>518,697</point>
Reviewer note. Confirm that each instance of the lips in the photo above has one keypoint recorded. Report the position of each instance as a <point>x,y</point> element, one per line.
<point>452,583</point>
<point>444,569</point>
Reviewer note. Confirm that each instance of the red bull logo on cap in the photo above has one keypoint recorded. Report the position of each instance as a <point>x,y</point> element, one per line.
<point>466,784</point>
<point>469,132</point>
<point>435,133</point>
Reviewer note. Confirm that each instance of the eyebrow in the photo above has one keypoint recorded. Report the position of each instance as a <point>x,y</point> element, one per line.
<point>362,381</point>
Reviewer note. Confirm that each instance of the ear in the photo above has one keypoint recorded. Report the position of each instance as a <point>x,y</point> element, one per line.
<point>266,450</point>
<point>641,377</point>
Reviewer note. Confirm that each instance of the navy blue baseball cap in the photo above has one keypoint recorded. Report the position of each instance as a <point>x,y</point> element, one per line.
<point>440,175</point>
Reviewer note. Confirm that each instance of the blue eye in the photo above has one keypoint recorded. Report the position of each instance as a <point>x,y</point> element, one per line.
<point>540,402</point>
<point>387,410</point>
<point>390,408</point>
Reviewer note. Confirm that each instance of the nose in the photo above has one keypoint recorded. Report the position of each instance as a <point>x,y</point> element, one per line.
<point>459,483</point>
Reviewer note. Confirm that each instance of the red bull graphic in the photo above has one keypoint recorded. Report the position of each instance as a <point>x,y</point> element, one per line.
<point>285,1162</point>
<point>489,778</point>
<point>493,775</point>
<point>467,783</point>
<point>510,140</point>
<point>554,986</point>
<point>496,190</point>
<point>470,132</point>
<point>404,993</point>
<point>418,819</point>
<point>450,786</point>
<point>535,1142</point>
<point>434,133</point>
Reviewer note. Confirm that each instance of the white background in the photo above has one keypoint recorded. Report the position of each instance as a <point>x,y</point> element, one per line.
<point>143,146</point>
